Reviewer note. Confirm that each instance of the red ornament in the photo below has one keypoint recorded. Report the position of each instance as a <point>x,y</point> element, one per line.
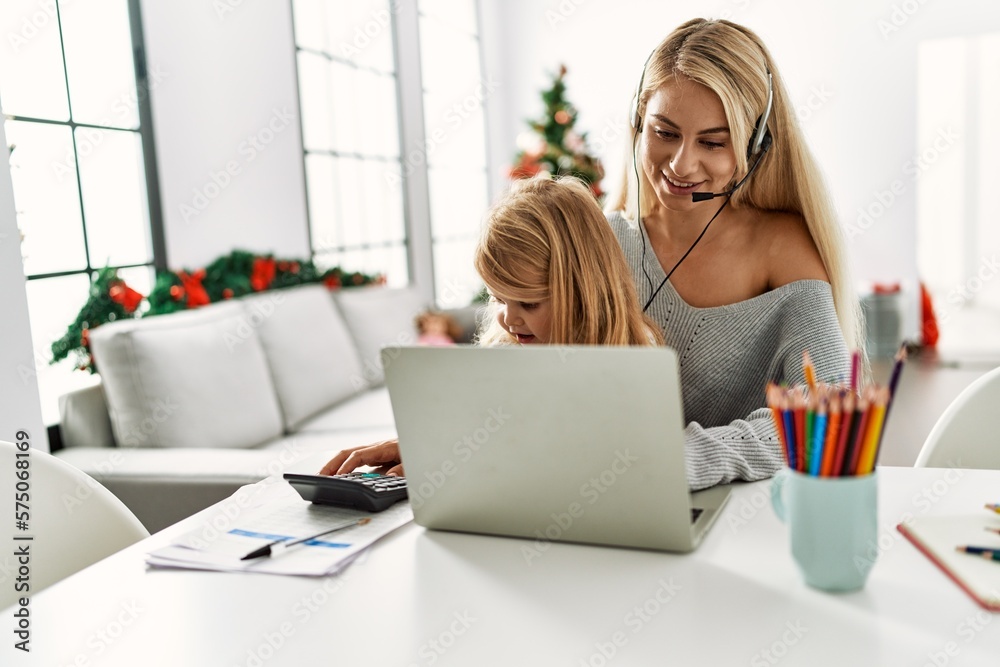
<point>264,269</point>
<point>176,292</point>
<point>294,267</point>
<point>85,338</point>
<point>562,117</point>
<point>196,294</point>
<point>332,281</point>
<point>122,294</point>
<point>227,293</point>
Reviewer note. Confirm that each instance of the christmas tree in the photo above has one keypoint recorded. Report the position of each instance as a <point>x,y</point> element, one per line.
<point>553,146</point>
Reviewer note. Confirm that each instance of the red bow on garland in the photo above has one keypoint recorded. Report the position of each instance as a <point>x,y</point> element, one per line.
<point>122,294</point>
<point>196,294</point>
<point>264,269</point>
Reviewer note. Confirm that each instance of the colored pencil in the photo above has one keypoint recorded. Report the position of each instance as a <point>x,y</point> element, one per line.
<point>819,437</point>
<point>772,393</point>
<point>789,420</point>
<point>810,372</point>
<point>857,437</point>
<point>993,507</point>
<point>989,553</point>
<point>832,435</point>
<point>897,369</point>
<point>870,449</point>
<point>799,410</point>
<point>847,423</point>
<point>855,368</point>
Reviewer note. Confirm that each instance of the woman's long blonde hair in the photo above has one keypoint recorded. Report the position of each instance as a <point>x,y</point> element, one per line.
<point>733,62</point>
<point>548,239</point>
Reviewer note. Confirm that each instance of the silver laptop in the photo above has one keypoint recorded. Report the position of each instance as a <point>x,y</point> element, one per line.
<point>552,443</point>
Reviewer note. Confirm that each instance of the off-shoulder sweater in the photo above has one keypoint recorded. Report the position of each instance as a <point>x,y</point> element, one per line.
<point>727,354</point>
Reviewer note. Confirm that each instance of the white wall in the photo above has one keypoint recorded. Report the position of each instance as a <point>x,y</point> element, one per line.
<point>19,405</point>
<point>225,120</point>
<point>853,62</point>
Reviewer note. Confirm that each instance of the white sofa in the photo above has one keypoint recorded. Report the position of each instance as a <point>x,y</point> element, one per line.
<point>195,404</point>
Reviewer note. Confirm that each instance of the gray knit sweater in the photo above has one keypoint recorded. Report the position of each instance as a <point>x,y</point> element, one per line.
<point>727,354</point>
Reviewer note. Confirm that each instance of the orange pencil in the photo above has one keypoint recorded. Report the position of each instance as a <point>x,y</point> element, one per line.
<point>874,434</point>
<point>807,368</point>
<point>864,414</point>
<point>832,434</point>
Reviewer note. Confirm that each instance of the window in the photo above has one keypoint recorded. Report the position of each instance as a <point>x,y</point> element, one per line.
<point>350,135</point>
<point>75,112</point>
<point>357,69</point>
<point>455,130</point>
<point>958,239</point>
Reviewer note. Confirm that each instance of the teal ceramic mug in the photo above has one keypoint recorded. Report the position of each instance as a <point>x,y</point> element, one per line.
<point>833,522</point>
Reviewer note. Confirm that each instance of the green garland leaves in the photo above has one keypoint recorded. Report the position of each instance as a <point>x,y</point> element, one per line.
<point>231,276</point>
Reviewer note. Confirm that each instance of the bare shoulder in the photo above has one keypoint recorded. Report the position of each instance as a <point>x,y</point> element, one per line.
<point>791,253</point>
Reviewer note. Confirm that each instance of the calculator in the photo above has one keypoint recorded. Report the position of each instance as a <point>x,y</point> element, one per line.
<point>359,490</point>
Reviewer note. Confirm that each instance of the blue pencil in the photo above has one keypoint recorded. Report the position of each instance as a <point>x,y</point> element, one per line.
<point>819,435</point>
<point>786,415</point>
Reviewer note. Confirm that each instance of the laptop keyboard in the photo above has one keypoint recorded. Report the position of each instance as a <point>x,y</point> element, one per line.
<point>695,513</point>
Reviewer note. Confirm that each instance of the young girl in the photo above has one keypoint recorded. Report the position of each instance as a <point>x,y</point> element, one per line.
<point>555,274</point>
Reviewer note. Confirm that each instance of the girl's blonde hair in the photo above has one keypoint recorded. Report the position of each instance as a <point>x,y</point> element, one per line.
<point>733,62</point>
<point>548,239</point>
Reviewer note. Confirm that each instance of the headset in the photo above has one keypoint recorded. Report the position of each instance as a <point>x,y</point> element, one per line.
<point>760,142</point>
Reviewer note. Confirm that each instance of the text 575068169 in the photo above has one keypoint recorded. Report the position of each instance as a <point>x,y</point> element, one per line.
<point>22,539</point>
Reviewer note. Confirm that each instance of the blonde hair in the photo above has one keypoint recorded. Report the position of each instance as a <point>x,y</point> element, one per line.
<point>733,62</point>
<point>548,239</point>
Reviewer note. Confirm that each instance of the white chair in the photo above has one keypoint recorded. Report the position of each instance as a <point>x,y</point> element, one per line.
<point>967,435</point>
<point>73,522</point>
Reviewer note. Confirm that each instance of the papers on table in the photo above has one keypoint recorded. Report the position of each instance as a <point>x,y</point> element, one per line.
<point>271,510</point>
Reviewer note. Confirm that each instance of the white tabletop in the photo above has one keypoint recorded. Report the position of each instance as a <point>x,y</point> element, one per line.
<point>435,598</point>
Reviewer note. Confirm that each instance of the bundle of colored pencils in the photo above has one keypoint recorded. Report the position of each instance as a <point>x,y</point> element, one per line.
<point>832,430</point>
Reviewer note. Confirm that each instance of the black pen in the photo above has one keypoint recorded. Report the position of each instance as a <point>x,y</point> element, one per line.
<point>278,546</point>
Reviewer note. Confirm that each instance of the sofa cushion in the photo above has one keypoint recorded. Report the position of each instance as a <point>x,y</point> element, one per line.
<point>189,379</point>
<point>376,317</point>
<point>367,410</point>
<point>312,357</point>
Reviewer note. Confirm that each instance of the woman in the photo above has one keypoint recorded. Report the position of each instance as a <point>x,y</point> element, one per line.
<point>740,289</point>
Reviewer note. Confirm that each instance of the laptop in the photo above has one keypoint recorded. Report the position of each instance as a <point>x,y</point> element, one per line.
<point>552,443</point>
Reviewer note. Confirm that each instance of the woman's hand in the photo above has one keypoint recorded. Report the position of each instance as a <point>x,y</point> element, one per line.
<point>384,455</point>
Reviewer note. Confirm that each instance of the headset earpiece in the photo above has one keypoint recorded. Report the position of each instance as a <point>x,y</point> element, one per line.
<point>760,141</point>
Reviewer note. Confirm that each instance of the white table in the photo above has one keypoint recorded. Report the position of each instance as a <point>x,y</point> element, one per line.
<point>434,598</point>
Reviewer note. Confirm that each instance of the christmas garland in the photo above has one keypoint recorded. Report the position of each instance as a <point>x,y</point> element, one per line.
<point>234,275</point>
